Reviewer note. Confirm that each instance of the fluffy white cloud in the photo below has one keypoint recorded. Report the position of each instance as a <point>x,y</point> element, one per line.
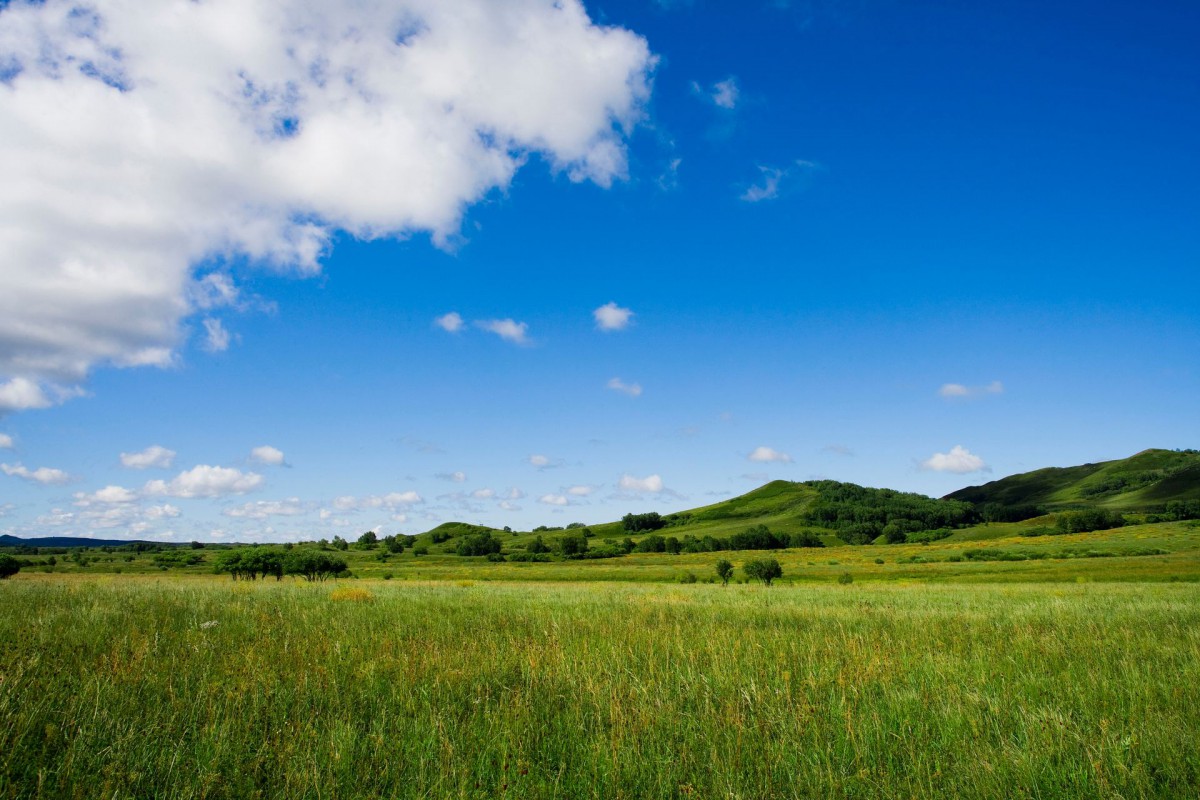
<point>109,495</point>
<point>44,475</point>
<point>216,336</point>
<point>652,484</point>
<point>205,481</point>
<point>959,461</point>
<point>451,323</point>
<point>768,454</point>
<point>953,390</point>
<point>6,441</point>
<point>153,456</point>
<point>23,394</point>
<point>631,389</point>
<point>553,500</point>
<point>268,455</point>
<point>611,317</point>
<point>144,137</point>
<point>722,94</point>
<point>263,509</point>
<point>507,329</point>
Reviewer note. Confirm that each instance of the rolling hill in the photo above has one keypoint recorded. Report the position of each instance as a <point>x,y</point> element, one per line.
<point>1142,482</point>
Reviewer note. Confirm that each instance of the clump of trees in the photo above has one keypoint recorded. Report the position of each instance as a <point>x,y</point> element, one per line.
<point>765,570</point>
<point>1088,519</point>
<point>478,544</point>
<point>636,523</point>
<point>9,566</point>
<point>251,563</point>
<point>860,515</point>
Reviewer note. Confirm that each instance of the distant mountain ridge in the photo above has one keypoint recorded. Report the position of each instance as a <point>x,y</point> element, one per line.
<point>1145,481</point>
<point>73,541</point>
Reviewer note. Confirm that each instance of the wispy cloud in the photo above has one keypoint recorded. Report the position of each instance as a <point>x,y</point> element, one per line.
<point>43,475</point>
<point>631,389</point>
<point>771,180</point>
<point>951,391</point>
<point>722,94</point>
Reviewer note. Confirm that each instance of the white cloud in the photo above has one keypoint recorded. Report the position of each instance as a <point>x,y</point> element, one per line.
<point>43,475</point>
<point>767,189</point>
<point>451,323</point>
<point>391,501</point>
<point>271,456</point>
<point>539,460</point>
<point>763,454</point>
<point>723,94</point>
<point>651,484</point>
<point>263,509</point>
<point>631,389</point>
<point>959,461</point>
<point>216,337</point>
<point>142,139</point>
<point>455,477</point>
<point>6,441</point>
<point>21,394</point>
<point>611,317</point>
<point>483,494</point>
<point>553,500</point>
<point>109,495</point>
<point>955,390</point>
<point>514,494</point>
<point>507,329</point>
<point>581,491</point>
<point>505,505</point>
<point>153,456</point>
<point>206,481</point>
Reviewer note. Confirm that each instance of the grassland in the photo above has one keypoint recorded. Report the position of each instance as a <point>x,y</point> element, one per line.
<point>126,686</point>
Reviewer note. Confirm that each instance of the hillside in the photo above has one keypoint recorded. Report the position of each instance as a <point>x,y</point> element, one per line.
<point>1143,482</point>
<point>75,541</point>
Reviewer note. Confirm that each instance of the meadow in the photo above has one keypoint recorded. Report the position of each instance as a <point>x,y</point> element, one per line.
<point>199,686</point>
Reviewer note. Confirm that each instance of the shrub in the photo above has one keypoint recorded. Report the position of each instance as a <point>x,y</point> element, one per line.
<point>845,579</point>
<point>879,561</point>
<point>387,576</point>
<point>765,570</point>
<point>688,577</point>
<point>724,571</point>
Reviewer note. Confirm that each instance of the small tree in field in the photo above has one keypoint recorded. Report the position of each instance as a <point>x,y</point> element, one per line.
<point>765,570</point>
<point>9,566</point>
<point>724,571</point>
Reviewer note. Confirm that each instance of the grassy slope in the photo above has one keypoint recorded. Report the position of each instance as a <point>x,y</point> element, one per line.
<point>1176,476</point>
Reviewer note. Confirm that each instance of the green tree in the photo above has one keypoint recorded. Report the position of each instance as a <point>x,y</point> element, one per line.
<point>724,571</point>
<point>9,566</point>
<point>368,540</point>
<point>765,570</point>
<point>340,544</point>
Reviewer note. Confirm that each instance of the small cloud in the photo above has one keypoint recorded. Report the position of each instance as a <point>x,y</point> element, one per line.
<point>505,505</point>
<point>483,494</point>
<point>767,455</point>
<point>611,317</point>
<point>42,475</point>
<point>514,494</point>
<point>216,337</point>
<point>631,389</point>
<point>544,462</point>
<point>952,391</point>
<point>155,456</point>
<point>722,94</point>
<point>553,500</point>
<point>206,481</point>
<point>581,491</point>
<point>267,455</point>
<point>507,329</point>
<point>959,461</point>
<point>837,450</point>
<point>108,496</point>
<point>652,484</point>
<point>451,323</point>
<point>771,180</point>
<point>453,477</point>
<point>264,509</point>
<point>6,442</point>
<point>669,179</point>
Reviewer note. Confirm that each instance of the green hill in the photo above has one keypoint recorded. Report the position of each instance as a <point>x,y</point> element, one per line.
<point>1143,482</point>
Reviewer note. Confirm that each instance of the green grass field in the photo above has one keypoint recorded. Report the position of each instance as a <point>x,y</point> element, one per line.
<point>178,686</point>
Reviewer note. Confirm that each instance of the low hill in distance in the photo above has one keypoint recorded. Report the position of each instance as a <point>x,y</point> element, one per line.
<point>1143,482</point>
<point>76,541</point>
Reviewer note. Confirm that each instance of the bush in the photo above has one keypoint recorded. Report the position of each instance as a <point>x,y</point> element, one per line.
<point>387,576</point>
<point>635,523</point>
<point>495,557</point>
<point>421,550</point>
<point>9,566</point>
<point>845,579</point>
<point>724,571</point>
<point>765,570</point>
<point>688,577</point>
<point>879,561</point>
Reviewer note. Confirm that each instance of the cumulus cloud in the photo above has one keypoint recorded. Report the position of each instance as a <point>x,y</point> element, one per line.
<point>109,495</point>
<point>205,481</point>
<point>553,500</point>
<point>216,336</point>
<point>451,323</point>
<point>652,484</point>
<point>611,317</point>
<point>631,389</point>
<point>956,390</point>
<point>265,454</point>
<point>142,139</point>
<point>6,441</point>
<point>23,394</point>
<point>723,94</point>
<point>507,329</point>
<point>43,475</point>
<point>764,454</point>
<point>264,509</point>
<point>153,456</point>
<point>959,461</point>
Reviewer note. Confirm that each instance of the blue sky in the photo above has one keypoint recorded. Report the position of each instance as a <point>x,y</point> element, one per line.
<point>914,245</point>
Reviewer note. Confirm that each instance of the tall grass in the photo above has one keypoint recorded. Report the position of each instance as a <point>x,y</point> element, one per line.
<point>123,688</point>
